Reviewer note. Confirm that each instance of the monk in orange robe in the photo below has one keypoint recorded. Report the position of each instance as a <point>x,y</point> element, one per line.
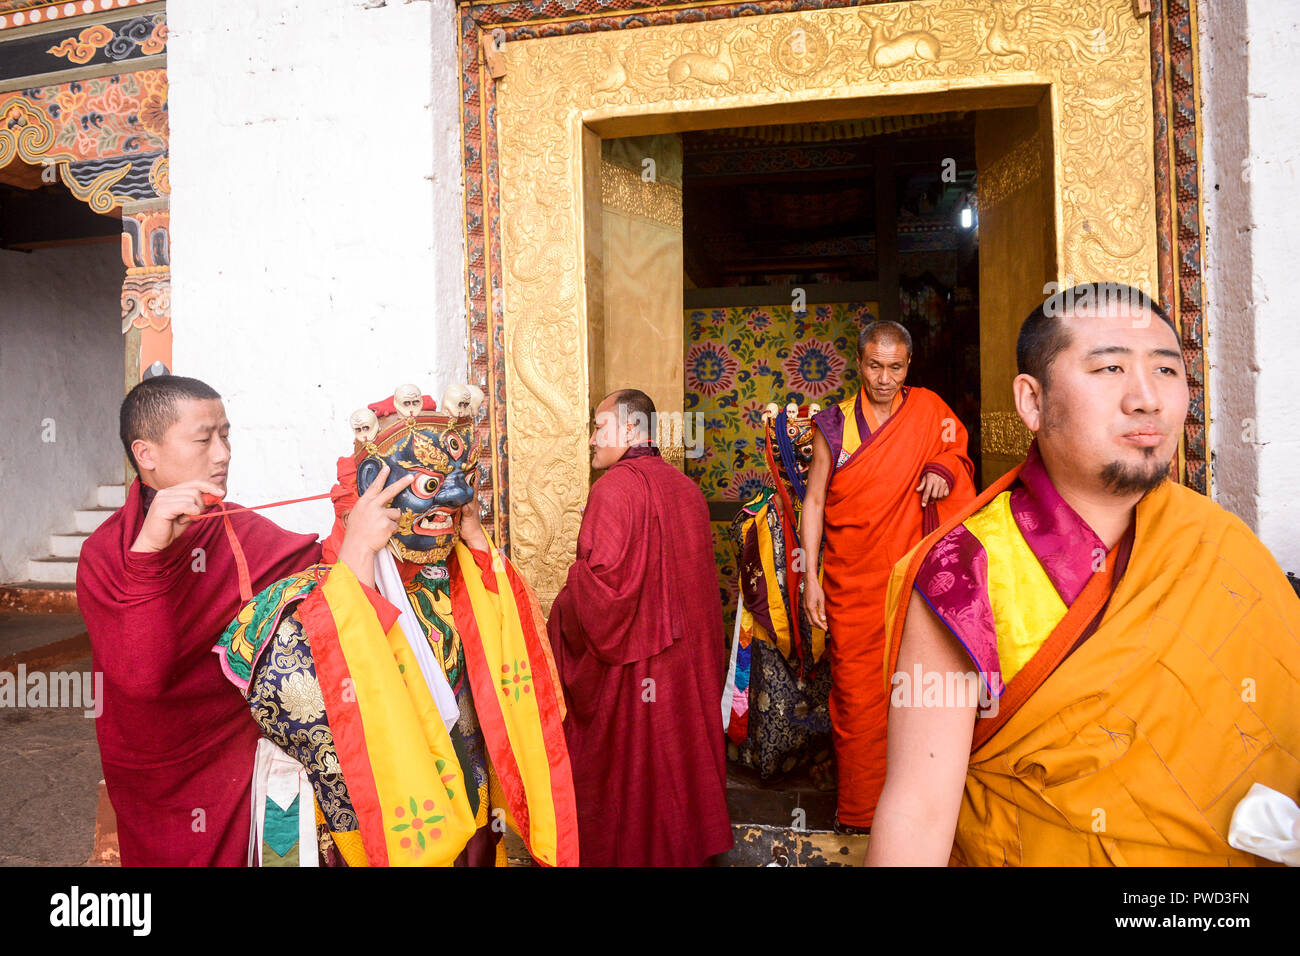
<point>888,464</point>
<point>1090,665</point>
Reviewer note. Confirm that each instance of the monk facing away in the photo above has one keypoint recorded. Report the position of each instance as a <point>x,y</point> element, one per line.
<point>1137,648</point>
<point>637,635</point>
<point>156,588</point>
<point>888,464</point>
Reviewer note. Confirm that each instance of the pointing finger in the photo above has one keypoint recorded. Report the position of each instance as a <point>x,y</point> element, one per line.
<point>377,485</point>
<point>389,493</point>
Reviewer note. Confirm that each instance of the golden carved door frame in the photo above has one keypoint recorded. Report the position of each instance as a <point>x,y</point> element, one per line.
<point>1013,150</point>
<point>635,270</point>
<point>1091,58</point>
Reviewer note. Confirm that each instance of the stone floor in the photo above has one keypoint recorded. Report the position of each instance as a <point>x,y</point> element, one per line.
<point>21,633</point>
<point>49,770</point>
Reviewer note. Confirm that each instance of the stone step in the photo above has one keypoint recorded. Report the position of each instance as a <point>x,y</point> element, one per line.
<point>110,496</point>
<point>759,845</point>
<point>33,598</point>
<point>790,800</point>
<point>106,850</point>
<point>67,545</point>
<point>774,806</point>
<point>87,520</point>
<point>52,570</point>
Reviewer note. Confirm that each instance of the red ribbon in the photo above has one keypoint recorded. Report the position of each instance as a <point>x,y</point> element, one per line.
<point>211,500</point>
<point>241,562</point>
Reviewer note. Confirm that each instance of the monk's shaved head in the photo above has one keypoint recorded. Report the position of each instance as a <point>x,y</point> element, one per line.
<point>153,406</point>
<point>1043,334</point>
<point>884,332</point>
<point>623,419</point>
<point>634,406</point>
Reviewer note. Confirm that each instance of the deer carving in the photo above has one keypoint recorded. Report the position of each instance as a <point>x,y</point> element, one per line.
<point>712,69</point>
<point>885,51</point>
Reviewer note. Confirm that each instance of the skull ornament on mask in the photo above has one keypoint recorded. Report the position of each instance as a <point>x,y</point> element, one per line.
<point>462,400</point>
<point>441,450</point>
<point>791,443</point>
<point>407,400</point>
<point>365,424</point>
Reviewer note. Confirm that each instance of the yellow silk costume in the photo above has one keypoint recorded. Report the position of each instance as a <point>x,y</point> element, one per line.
<point>1136,748</point>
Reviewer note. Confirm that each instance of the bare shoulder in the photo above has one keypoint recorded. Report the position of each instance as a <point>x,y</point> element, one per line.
<point>927,639</point>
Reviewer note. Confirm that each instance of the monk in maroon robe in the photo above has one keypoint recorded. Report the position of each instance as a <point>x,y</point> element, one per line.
<point>637,636</point>
<point>176,739</point>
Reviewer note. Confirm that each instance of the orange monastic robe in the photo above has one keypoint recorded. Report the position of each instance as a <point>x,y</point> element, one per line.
<point>873,518</point>
<point>1143,695</point>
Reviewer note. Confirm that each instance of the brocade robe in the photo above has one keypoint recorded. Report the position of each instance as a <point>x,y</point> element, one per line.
<point>334,682</point>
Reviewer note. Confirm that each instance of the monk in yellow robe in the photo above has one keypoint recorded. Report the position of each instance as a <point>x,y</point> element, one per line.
<point>1136,650</point>
<point>888,464</point>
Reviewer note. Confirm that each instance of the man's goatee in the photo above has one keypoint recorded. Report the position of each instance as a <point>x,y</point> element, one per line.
<point>1129,479</point>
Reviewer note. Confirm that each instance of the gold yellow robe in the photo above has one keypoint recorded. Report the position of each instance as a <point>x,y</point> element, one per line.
<point>1138,746</point>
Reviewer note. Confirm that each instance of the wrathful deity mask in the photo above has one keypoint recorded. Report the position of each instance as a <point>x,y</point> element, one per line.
<point>439,448</point>
<point>789,433</point>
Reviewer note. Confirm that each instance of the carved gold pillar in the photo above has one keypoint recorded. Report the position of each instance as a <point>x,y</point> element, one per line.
<point>1013,153</point>
<point>641,269</point>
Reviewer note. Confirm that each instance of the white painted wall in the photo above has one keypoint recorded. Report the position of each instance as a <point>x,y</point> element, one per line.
<point>316,231</point>
<point>1252,178</point>
<point>61,357</point>
<point>318,254</point>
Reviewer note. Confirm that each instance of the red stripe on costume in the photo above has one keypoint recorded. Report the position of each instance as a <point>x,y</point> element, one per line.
<point>483,560</point>
<point>738,728</point>
<point>345,724</point>
<point>483,687</point>
<point>385,610</point>
<point>557,751</point>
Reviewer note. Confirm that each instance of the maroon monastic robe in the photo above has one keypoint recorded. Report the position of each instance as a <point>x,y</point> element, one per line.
<point>176,738</point>
<point>637,636</point>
